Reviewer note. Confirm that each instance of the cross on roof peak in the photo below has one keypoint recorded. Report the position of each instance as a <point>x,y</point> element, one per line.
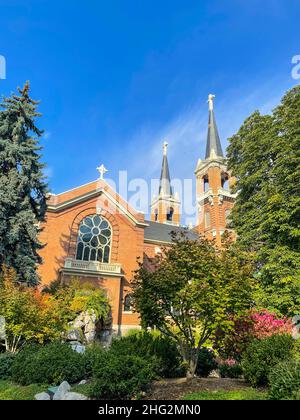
<point>102,171</point>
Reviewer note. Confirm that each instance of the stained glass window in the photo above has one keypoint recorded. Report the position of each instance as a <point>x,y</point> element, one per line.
<point>94,239</point>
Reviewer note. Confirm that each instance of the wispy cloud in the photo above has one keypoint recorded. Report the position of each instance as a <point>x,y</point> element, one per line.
<point>186,133</point>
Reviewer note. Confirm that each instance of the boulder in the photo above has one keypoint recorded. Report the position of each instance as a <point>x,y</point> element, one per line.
<point>74,396</point>
<point>214,374</point>
<point>42,396</point>
<point>83,382</point>
<point>74,335</point>
<point>63,388</point>
<point>78,347</point>
<point>78,322</point>
<point>90,336</point>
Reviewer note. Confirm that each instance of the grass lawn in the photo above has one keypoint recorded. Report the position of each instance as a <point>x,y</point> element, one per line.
<point>240,394</point>
<point>10,391</point>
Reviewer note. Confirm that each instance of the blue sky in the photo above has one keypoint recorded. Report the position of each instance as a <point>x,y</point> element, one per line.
<point>117,77</point>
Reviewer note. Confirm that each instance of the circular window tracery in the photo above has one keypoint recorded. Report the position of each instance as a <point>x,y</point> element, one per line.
<point>94,239</point>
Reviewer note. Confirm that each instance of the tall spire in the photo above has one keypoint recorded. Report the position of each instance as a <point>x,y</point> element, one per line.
<point>213,145</point>
<point>165,180</point>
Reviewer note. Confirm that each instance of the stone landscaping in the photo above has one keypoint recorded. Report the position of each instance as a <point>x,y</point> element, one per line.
<point>63,392</point>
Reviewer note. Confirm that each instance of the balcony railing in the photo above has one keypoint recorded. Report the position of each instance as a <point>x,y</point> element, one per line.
<point>92,266</point>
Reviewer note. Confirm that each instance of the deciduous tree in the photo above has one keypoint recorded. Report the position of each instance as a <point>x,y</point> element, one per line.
<point>191,291</point>
<point>264,156</point>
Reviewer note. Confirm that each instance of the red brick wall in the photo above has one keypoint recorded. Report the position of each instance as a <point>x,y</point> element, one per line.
<point>60,234</point>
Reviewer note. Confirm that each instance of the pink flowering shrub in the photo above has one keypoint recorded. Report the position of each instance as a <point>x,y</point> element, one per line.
<point>228,362</point>
<point>265,324</point>
<point>254,325</point>
<point>230,368</point>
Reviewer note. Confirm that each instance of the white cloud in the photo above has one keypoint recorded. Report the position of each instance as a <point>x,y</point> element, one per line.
<point>186,133</point>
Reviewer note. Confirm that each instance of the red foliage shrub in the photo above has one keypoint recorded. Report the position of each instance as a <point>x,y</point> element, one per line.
<point>254,325</point>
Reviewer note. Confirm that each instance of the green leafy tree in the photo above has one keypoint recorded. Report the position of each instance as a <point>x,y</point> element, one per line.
<point>191,291</point>
<point>264,156</point>
<point>22,186</point>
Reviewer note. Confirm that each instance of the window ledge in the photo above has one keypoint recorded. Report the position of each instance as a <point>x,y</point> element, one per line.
<point>92,267</point>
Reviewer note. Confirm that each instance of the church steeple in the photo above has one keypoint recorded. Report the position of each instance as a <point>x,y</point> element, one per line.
<point>213,180</point>
<point>165,207</point>
<point>165,180</point>
<point>213,144</point>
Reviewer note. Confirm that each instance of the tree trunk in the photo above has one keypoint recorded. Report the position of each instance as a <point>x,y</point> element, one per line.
<point>190,357</point>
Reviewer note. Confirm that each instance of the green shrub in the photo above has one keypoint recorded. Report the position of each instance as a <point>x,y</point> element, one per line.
<point>161,351</point>
<point>50,364</point>
<point>230,370</point>
<point>296,349</point>
<point>262,355</point>
<point>118,376</point>
<point>6,361</point>
<point>284,381</point>
<point>92,355</point>
<point>206,363</point>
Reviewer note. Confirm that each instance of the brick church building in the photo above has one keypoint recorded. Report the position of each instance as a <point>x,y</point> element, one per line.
<point>92,234</point>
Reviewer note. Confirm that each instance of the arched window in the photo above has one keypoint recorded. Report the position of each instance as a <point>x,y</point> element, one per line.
<point>225,181</point>
<point>94,239</point>
<point>128,303</point>
<point>170,213</point>
<point>205,183</point>
<point>156,215</point>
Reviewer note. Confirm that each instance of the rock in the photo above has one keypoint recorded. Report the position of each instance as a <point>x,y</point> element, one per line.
<point>78,347</point>
<point>74,335</point>
<point>42,396</point>
<point>214,374</point>
<point>74,396</point>
<point>90,336</point>
<point>62,390</point>
<point>83,382</point>
<point>78,322</point>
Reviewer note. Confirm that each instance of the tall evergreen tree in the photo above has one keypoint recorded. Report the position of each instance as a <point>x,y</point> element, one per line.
<point>22,186</point>
<point>265,158</point>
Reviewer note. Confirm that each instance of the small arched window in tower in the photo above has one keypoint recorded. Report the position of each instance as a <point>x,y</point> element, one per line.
<point>225,181</point>
<point>94,239</point>
<point>128,303</point>
<point>205,183</point>
<point>227,217</point>
<point>156,215</point>
<point>170,213</point>
<point>207,219</point>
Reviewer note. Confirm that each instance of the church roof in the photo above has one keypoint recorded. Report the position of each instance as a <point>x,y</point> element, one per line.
<point>161,232</point>
<point>213,139</point>
<point>165,179</point>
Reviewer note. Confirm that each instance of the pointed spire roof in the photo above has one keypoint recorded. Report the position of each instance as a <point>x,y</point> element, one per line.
<point>213,145</point>
<point>165,180</point>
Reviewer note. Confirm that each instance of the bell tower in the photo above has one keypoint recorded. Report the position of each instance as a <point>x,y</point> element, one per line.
<point>213,184</point>
<point>165,208</point>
